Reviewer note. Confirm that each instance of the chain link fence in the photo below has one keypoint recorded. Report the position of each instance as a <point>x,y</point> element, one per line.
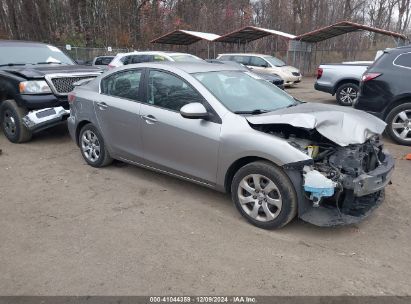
<point>88,54</point>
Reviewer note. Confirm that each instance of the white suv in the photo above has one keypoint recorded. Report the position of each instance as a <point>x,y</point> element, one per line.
<point>266,64</point>
<point>150,56</point>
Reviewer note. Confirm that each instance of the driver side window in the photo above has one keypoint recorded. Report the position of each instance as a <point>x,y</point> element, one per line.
<point>123,84</point>
<point>170,92</point>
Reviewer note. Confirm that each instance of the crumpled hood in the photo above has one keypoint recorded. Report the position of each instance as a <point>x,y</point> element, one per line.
<point>342,125</point>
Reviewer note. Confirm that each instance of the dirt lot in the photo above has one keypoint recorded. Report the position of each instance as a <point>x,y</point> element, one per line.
<point>69,229</point>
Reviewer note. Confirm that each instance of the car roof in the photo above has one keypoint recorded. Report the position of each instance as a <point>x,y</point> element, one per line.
<point>155,53</point>
<point>245,54</point>
<point>21,43</point>
<point>188,67</point>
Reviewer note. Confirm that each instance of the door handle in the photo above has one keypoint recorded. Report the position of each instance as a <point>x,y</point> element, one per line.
<point>150,119</point>
<point>102,105</point>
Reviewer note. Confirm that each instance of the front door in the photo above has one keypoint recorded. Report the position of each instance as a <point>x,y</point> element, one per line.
<point>178,145</point>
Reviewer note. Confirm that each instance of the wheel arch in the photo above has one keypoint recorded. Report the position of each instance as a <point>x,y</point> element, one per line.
<point>397,102</point>
<point>80,125</point>
<point>4,95</point>
<point>345,81</point>
<point>239,163</point>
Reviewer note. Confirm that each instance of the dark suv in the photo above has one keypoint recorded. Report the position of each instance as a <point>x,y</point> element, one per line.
<point>35,79</point>
<point>385,91</point>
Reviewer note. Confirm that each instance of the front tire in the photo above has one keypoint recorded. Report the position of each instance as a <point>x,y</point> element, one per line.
<point>347,93</point>
<point>93,148</point>
<point>11,118</point>
<point>399,124</point>
<point>264,195</point>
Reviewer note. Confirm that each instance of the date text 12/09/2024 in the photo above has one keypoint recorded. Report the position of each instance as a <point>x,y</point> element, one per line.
<point>203,299</point>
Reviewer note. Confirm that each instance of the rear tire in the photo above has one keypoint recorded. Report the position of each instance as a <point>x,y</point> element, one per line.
<point>347,93</point>
<point>264,195</point>
<point>399,124</point>
<point>11,118</point>
<point>92,147</point>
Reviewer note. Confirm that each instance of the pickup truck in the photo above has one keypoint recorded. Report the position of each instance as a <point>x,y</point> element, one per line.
<point>35,79</point>
<point>341,80</point>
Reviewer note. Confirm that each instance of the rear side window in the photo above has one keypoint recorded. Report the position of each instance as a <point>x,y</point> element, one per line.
<point>138,59</point>
<point>403,60</point>
<point>124,84</point>
<point>103,60</point>
<point>242,59</point>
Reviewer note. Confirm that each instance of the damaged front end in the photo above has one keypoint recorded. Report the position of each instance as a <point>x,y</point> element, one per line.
<point>45,118</point>
<point>339,184</point>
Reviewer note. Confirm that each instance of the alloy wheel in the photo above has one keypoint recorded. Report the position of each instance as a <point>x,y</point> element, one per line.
<point>401,125</point>
<point>348,95</point>
<point>90,146</point>
<point>259,197</point>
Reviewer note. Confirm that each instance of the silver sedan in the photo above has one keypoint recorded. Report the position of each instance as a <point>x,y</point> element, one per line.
<point>228,129</point>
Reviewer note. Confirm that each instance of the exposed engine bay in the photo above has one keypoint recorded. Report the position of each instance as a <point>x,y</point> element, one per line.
<point>346,179</point>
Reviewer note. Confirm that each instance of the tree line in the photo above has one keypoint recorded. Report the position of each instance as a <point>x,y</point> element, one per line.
<point>133,23</point>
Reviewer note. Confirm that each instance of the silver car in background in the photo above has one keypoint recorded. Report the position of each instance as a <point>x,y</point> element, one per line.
<point>341,80</point>
<point>228,129</point>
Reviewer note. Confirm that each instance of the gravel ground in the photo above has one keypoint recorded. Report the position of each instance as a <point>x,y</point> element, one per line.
<point>69,229</point>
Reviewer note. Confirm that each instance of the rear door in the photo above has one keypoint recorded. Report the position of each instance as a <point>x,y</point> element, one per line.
<point>187,147</point>
<point>117,111</point>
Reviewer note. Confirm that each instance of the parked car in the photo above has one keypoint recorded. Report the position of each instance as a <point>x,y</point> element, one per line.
<point>151,56</point>
<point>102,61</point>
<point>385,91</point>
<point>221,127</point>
<point>35,79</point>
<point>341,80</point>
<point>273,78</point>
<point>266,64</point>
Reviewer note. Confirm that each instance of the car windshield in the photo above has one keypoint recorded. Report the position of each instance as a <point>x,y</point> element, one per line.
<point>275,61</point>
<point>186,58</point>
<point>32,54</point>
<point>244,93</point>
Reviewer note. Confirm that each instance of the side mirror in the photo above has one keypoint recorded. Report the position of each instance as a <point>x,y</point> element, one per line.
<point>194,110</point>
<point>264,65</point>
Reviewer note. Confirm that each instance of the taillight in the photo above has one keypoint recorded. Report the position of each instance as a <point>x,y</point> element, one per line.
<point>369,76</point>
<point>319,73</point>
<point>111,66</point>
<point>71,97</point>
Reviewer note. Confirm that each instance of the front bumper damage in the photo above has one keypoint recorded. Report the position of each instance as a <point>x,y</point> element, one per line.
<point>42,119</point>
<point>358,200</point>
<point>375,180</point>
<point>344,179</point>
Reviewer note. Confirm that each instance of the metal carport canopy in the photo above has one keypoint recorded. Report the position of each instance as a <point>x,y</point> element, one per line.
<point>183,37</point>
<point>251,33</point>
<point>341,28</point>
